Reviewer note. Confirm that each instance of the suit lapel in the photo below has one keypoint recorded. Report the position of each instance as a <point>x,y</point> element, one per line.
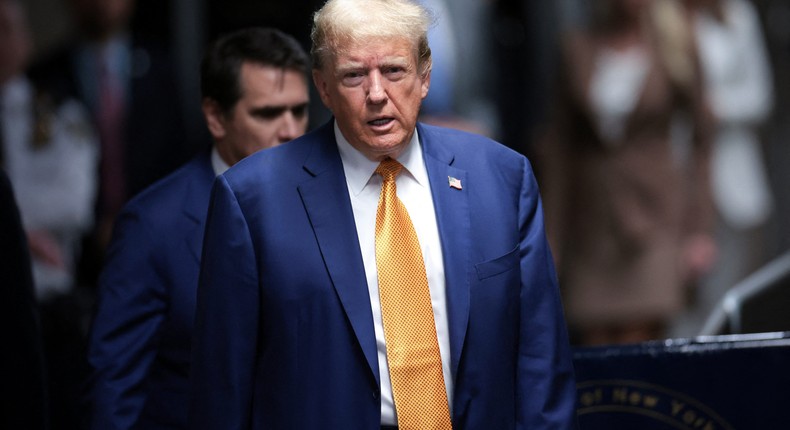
<point>453,220</point>
<point>196,201</point>
<point>325,198</point>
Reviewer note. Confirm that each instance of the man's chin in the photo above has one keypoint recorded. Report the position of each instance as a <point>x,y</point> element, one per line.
<point>376,149</point>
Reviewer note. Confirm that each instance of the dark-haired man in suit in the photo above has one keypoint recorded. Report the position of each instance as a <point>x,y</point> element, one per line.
<point>255,96</point>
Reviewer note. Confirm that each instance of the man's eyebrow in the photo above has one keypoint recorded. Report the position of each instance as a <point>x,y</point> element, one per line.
<point>273,111</point>
<point>348,66</point>
<point>395,61</point>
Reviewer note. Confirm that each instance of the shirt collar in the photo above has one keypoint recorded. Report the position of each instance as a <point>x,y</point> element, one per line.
<point>217,163</point>
<point>359,169</point>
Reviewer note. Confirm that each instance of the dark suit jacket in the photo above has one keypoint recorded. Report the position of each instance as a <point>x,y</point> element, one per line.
<point>23,387</point>
<point>284,331</point>
<point>139,347</point>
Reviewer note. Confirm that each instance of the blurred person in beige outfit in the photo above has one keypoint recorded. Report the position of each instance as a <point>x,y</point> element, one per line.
<point>627,211</point>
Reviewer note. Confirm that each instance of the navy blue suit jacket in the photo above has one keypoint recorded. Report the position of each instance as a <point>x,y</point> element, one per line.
<point>284,333</point>
<point>140,339</point>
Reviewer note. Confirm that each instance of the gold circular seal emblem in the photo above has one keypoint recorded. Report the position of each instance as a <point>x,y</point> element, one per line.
<point>643,405</point>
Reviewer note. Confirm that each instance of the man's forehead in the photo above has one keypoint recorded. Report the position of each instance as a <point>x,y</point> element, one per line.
<point>353,62</point>
<point>382,50</point>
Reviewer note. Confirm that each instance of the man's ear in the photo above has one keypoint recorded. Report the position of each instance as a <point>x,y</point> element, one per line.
<point>426,84</point>
<point>215,118</point>
<point>322,86</point>
<point>425,76</point>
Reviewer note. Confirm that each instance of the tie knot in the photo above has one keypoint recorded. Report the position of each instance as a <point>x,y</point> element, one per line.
<point>389,169</point>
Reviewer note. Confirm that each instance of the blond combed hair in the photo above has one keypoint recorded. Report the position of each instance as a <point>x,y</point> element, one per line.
<point>342,22</point>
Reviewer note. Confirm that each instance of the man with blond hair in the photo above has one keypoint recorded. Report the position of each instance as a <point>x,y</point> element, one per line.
<point>378,272</point>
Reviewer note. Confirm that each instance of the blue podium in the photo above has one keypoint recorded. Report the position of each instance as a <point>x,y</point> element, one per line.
<point>730,382</point>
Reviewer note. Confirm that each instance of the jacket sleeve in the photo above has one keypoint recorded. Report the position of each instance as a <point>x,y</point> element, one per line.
<point>546,392</point>
<point>130,310</point>
<point>226,324</point>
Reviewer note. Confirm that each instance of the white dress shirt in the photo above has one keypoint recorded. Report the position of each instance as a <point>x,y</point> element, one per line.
<point>217,163</point>
<point>364,188</point>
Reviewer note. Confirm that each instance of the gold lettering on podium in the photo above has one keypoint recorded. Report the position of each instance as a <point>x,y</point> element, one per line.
<point>649,401</point>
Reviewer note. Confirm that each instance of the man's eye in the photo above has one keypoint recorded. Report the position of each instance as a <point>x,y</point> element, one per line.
<point>299,111</point>
<point>269,113</point>
<point>353,78</point>
<point>394,71</point>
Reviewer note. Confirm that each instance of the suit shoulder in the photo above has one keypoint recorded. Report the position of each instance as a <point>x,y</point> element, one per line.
<point>167,194</point>
<point>273,164</point>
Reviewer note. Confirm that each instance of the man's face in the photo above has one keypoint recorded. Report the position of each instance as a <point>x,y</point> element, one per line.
<point>374,90</point>
<point>272,110</point>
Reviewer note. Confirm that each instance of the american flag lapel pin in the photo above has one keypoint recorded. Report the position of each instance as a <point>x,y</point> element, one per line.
<point>454,182</point>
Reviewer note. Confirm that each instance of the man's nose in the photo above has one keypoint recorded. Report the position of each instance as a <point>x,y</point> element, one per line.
<point>376,92</point>
<point>290,128</point>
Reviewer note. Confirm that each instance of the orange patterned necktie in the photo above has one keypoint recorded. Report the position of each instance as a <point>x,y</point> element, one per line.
<point>409,329</point>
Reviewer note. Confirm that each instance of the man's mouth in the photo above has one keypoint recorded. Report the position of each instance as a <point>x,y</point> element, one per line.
<point>379,122</point>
